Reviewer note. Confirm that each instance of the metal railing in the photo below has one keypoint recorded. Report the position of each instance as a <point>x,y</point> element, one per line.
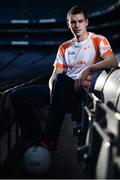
<point>9,136</point>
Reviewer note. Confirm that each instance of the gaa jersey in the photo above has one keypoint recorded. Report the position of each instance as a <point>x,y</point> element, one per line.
<point>75,56</point>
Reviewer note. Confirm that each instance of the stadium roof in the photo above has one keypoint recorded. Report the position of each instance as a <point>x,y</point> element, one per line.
<point>36,9</point>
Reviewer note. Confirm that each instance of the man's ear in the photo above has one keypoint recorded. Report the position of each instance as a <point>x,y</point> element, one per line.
<point>67,24</point>
<point>87,22</point>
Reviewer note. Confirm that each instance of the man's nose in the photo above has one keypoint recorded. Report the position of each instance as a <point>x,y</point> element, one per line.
<point>77,24</point>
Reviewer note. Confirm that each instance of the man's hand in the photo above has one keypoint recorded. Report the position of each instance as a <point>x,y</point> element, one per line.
<point>81,78</point>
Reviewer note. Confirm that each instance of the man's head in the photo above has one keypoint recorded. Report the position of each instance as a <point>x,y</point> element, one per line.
<point>76,10</point>
<point>77,21</point>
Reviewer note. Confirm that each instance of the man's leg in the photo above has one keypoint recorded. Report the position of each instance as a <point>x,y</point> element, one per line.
<point>80,126</point>
<point>24,99</point>
<point>62,98</point>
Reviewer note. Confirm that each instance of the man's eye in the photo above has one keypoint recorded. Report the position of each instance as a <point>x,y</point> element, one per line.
<point>81,21</point>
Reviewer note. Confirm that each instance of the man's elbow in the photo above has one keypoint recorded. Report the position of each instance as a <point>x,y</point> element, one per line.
<point>116,63</point>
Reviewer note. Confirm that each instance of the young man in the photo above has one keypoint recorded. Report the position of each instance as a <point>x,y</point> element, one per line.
<point>77,64</point>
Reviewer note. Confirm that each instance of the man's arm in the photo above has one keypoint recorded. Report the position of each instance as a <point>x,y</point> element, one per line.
<point>108,63</point>
<point>56,71</point>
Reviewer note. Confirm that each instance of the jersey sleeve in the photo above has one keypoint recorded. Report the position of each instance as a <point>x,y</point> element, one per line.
<point>60,58</point>
<point>104,47</point>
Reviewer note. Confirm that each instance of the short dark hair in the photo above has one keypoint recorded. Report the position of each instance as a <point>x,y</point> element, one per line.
<point>76,10</point>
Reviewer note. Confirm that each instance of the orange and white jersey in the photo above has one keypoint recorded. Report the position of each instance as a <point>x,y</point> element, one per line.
<point>74,56</point>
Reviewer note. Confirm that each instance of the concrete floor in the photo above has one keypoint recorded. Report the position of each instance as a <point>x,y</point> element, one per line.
<point>66,163</point>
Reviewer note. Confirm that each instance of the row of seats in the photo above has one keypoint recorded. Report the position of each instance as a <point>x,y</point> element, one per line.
<point>101,150</point>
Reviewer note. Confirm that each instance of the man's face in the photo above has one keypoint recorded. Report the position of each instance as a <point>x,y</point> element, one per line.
<point>77,24</point>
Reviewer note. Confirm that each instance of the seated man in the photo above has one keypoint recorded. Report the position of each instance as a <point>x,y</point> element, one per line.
<point>77,64</point>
